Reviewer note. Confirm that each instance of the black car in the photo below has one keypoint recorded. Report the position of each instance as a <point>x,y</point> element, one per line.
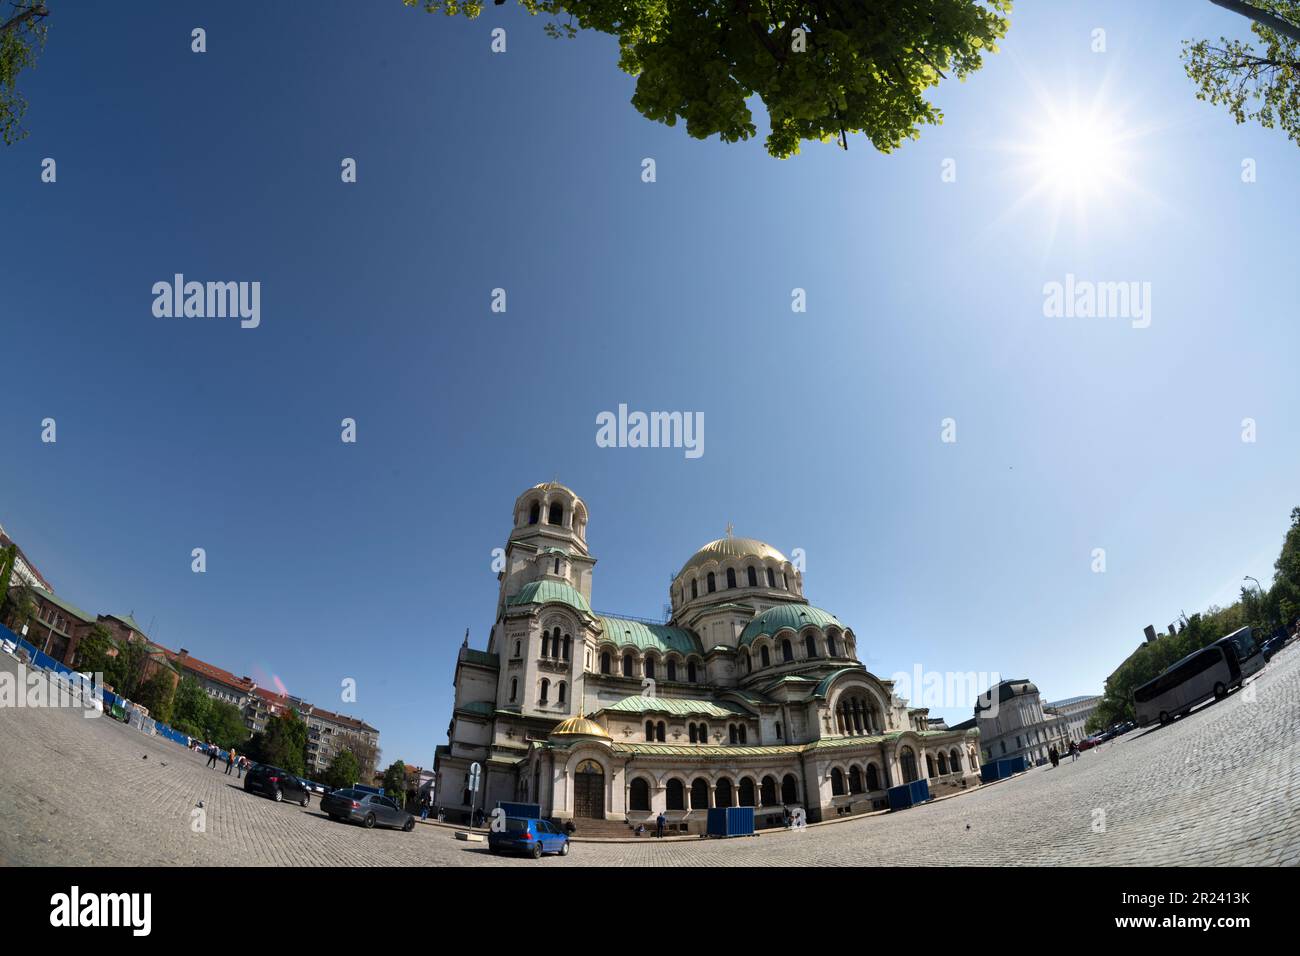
<point>368,809</point>
<point>275,783</point>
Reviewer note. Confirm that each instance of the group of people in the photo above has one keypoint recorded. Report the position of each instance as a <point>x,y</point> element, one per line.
<point>426,806</point>
<point>234,761</point>
<point>1054,755</point>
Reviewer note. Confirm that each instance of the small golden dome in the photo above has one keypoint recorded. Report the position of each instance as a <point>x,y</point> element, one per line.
<point>580,727</point>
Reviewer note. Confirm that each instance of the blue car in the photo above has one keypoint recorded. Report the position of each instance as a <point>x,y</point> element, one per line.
<point>530,836</point>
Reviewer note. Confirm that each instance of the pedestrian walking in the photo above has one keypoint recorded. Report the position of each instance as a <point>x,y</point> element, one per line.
<point>230,760</point>
<point>1074,751</point>
<point>424,807</point>
<point>241,767</point>
<point>212,755</point>
<point>1054,755</point>
<point>660,822</point>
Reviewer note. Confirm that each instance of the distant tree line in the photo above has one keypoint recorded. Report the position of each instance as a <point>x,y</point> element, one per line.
<point>1265,612</point>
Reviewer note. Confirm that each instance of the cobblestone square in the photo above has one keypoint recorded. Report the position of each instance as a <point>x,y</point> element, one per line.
<point>1218,787</point>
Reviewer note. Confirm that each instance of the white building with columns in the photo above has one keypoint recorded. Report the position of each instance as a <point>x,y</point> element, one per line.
<point>747,696</point>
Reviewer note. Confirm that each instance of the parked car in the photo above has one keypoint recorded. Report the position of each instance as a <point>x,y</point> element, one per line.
<point>529,836</point>
<point>1087,743</point>
<point>275,783</point>
<point>368,809</point>
<point>315,787</point>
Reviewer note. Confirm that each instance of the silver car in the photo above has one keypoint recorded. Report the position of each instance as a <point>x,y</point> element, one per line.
<point>368,809</point>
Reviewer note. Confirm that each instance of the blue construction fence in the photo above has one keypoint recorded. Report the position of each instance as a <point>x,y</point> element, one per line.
<point>115,705</point>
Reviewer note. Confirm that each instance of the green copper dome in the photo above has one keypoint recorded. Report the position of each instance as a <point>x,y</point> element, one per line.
<point>550,592</point>
<point>793,616</point>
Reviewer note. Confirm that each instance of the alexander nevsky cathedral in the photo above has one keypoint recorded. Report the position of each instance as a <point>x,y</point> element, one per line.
<point>748,696</point>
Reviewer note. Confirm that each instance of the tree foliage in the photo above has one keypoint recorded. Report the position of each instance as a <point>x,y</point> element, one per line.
<point>395,782</point>
<point>22,35</point>
<point>824,69</point>
<point>283,744</point>
<point>1255,80</point>
<point>342,772</point>
<point>157,694</point>
<point>225,727</point>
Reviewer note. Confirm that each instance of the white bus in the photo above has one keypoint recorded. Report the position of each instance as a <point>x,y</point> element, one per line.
<point>1210,672</point>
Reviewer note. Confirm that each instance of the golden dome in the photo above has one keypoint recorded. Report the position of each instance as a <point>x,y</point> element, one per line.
<point>730,547</point>
<point>580,727</point>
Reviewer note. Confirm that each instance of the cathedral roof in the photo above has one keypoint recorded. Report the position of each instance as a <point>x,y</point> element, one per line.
<point>676,706</point>
<point>550,592</point>
<point>794,616</point>
<point>724,548</point>
<point>645,636</point>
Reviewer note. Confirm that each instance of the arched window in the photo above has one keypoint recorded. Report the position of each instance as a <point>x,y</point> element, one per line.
<point>712,583</point>
<point>907,762</point>
<point>767,792</point>
<point>567,641</point>
<point>954,761</point>
<point>785,580</point>
<point>704,733</point>
<point>546,643</point>
<point>546,689</point>
<point>751,576</point>
<point>943,763</point>
<point>837,782</point>
<point>810,645</point>
<point>778,730</point>
<point>787,652</point>
<point>661,731</point>
<point>722,793</point>
<point>650,668</point>
<point>691,729</point>
<point>695,589</point>
<point>604,663</point>
<point>556,515</point>
<point>690,672</point>
<point>672,670</point>
<point>649,731</point>
<point>517,648</point>
<point>733,737</point>
<point>514,689</point>
<point>557,565</point>
<point>731,577</point>
<point>535,513</point>
<point>873,777</point>
<point>771,581</point>
<point>559,692</point>
<point>929,765</point>
<point>746,792</point>
<point>627,665</point>
<point>789,789</point>
<point>855,779</point>
<point>830,646</point>
<point>765,656</point>
<point>676,795</point>
<point>744,735</point>
<point>699,794</point>
<point>639,795</point>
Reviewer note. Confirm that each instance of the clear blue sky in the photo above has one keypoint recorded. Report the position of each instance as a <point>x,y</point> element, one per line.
<point>522,170</point>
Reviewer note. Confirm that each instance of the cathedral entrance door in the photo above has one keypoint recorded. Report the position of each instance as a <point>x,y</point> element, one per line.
<point>589,791</point>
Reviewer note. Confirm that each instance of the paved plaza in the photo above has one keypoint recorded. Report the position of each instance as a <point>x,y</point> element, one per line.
<point>1220,786</point>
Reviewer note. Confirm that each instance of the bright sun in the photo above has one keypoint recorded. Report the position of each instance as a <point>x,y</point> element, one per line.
<point>1076,156</point>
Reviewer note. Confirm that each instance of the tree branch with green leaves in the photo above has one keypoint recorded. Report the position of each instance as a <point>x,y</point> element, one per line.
<point>22,36</point>
<point>824,69</point>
